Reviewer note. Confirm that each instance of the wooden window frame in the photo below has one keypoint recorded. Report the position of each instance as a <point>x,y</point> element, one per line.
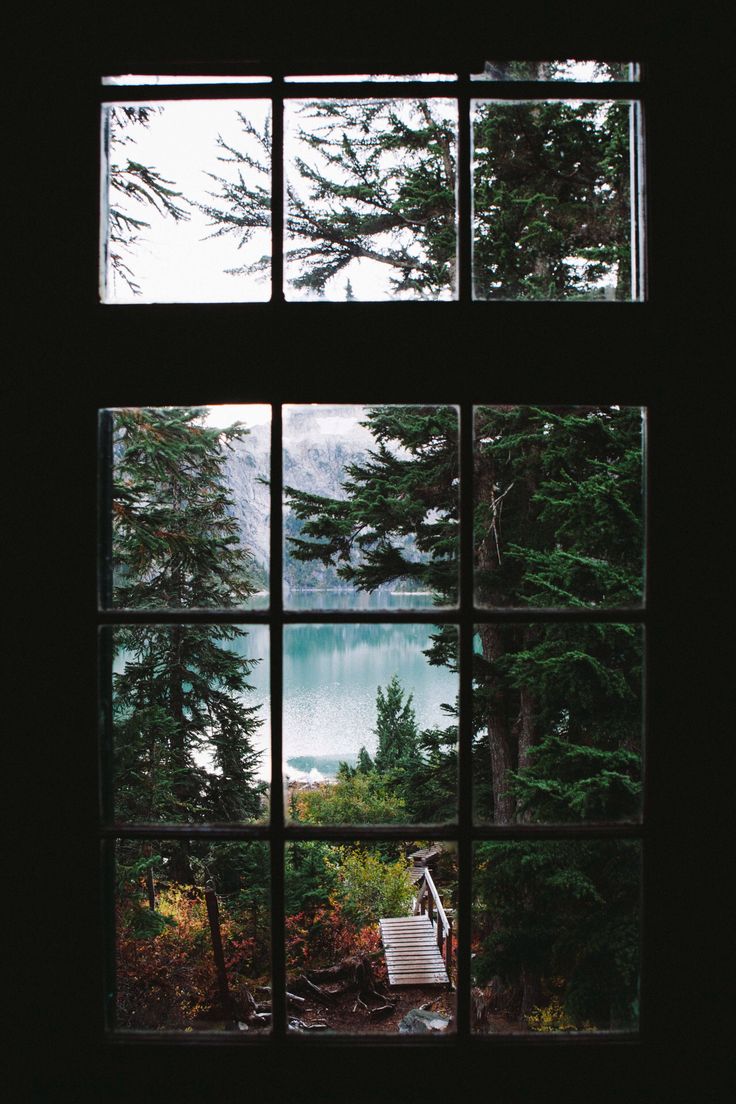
<point>97,357</point>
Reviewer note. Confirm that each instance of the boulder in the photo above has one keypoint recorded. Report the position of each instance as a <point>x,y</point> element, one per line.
<point>419,1020</point>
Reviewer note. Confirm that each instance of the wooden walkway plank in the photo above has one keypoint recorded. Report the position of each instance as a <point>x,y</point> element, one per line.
<point>412,955</point>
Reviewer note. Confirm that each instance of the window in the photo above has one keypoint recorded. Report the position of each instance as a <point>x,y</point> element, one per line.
<point>524,182</point>
<point>375,183</point>
<point>462,351</point>
<point>509,772</point>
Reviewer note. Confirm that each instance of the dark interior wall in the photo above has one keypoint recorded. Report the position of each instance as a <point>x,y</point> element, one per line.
<point>75,356</point>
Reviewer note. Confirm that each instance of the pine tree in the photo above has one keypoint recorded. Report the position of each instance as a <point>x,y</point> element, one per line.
<point>377,182</point>
<point>183,734</point>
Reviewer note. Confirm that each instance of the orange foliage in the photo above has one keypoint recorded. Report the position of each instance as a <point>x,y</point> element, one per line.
<point>322,936</point>
<point>167,978</point>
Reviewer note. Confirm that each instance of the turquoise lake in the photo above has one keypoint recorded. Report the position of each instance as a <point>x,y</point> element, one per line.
<point>331,675</point>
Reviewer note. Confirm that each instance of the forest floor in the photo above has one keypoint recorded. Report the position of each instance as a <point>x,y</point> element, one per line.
<point>347,1017</point>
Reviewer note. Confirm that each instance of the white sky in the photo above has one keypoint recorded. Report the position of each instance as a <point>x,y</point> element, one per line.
<point>224,415</point>
<point>178,261</point>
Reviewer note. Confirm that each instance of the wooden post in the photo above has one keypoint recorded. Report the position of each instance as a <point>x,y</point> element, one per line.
<point>151,890</point>
<point>213,916</point>
<point>448,950</point>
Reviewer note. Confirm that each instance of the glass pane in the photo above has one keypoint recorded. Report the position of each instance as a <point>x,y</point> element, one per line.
<point>137,79</point>
<point>556,936</point>
<point>186,211</point>
<point>190,723</point>
<point>193,947</point>
<point>338,78</point>
<point>559,512</point>
<point>569,70</point>
<point>552,214</point>
<point>371,936</point>
<point>190,507</point>
<point>371,210</point>
<point>371,506</point>
<point>558,712</point>
<point>370,726</point>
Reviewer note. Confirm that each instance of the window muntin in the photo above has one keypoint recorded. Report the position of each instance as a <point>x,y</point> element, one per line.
<point>466,617</point>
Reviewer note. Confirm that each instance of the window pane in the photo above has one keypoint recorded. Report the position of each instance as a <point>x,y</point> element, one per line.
<point>558,723</point>
<point>569,70</point>
<point>371,932</point>
<point>370,726</point>
<point>371,506</point>
<point>190,507</point>
<point>338,78</point>
<point>371,210</point>
<point>138,79</point>
<point>190,723</point>
<point>193,948</point>
<point>558,506</point>
<point>552,212</point>
<point>556,936</point>
<point>186,189</point>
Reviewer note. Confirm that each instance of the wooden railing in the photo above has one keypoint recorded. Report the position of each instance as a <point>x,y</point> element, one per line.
<point>428,902</point>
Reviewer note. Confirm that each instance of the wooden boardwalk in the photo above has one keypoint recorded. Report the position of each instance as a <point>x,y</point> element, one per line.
<point>412,955</point>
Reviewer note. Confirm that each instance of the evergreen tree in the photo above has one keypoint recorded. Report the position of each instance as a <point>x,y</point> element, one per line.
<point>183,733</point>
<point>377,180</point>
<point>396,730</point>
<point>551,200</point>
<point>365,763</point>
<point>559,920</point>
<point>133,188</point>
<point>378,184</point>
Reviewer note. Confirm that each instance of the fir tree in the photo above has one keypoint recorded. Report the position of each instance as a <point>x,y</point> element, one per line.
<point>183,733</point>
<point>396,730</point>
<point>377,182</point>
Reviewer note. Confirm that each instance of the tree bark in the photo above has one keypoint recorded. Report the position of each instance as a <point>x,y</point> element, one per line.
<point>500,736</point>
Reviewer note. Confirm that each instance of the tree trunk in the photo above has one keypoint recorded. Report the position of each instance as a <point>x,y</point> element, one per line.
<point>531,991</point>
<point>500,736</point>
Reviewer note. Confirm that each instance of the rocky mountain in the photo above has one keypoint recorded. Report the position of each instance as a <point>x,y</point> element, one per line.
<point>318,444</point>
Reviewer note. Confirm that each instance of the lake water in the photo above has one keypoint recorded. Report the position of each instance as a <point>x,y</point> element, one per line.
<point>331,675</point>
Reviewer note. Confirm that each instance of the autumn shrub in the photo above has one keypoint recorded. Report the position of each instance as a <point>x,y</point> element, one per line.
<point>553,1017</point>
<point>166,975</point>
<point>368,889</point>
<point>322,936</point>
<point>164,979</point>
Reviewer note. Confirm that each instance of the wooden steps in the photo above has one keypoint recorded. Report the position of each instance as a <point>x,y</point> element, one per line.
<point>412,955</point>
